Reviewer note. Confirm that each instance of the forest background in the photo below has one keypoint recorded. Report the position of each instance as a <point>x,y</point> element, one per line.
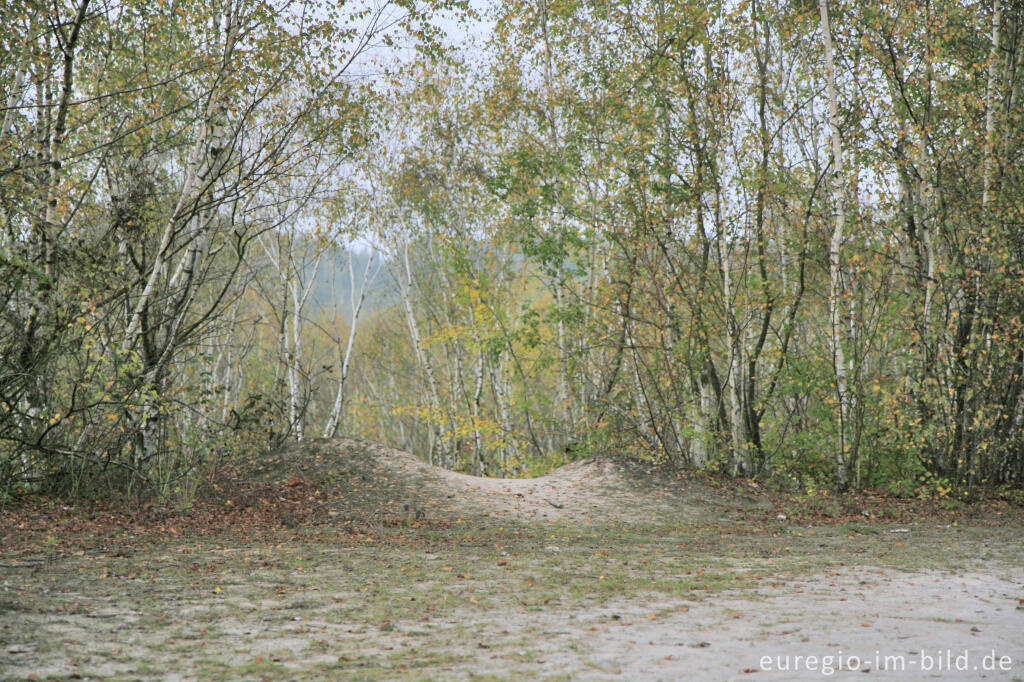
<point>780,239</point>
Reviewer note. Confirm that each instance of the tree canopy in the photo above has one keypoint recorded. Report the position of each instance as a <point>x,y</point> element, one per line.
<point>771,239</point>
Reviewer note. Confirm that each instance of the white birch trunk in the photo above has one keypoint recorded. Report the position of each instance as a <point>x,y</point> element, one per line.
<point>502,398</point>
<point>356,305</point>
<point>423,360</point>
<point>990,113</point>
<point>734,377</point>
<point>478,390</point>
<point>835,289</point>
<point>293,353</point>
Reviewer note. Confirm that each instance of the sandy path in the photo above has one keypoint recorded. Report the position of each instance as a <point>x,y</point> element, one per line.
<point>366,481</point>
<point>570,496</point>
<point>595,490</point>
<point>905,626</point>
<point>858,624</point>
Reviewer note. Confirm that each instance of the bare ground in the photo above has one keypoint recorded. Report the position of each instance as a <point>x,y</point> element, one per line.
<point>602,570</point>
<point>368,479</point>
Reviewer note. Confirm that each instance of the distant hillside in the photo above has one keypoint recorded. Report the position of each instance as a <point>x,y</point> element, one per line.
<point>333,286</point>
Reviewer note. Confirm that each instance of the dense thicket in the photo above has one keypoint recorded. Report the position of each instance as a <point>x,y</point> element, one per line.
<point>150,153</point>
<point>776,239</point>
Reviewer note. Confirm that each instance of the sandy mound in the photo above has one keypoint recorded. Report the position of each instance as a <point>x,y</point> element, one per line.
<point>366,481</point>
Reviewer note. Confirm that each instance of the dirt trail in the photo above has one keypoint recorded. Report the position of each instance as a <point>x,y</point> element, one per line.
<point>896,626</point>
<point>367,478</point>
<point>927,625</point>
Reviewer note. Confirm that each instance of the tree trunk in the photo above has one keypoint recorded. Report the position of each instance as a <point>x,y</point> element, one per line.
<point>835,283</point>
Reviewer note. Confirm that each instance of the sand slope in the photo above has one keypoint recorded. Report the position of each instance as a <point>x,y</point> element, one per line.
<point>367,480</point>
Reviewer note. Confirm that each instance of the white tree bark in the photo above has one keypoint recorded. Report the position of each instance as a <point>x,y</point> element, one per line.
<point>422,357</point>
<point>990,113</point>
<point>298,289</point>
<point>835,288</point>
<point>734,377</point>
<point>356,306</point>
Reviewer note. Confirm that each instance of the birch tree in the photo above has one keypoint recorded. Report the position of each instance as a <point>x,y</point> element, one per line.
<point>138,150</point>
<point>845,449</point>
<point>344,357</point>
